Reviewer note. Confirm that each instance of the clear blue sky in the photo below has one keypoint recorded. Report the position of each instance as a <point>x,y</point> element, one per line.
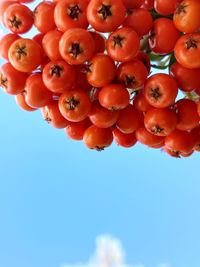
<point>56,197</point>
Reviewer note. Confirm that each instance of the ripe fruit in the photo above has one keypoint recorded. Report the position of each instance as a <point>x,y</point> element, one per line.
<point>129,120</point>
<point>36,93</point>
<point>187,50</point>
<point>166,7</point>
<point>196,136</point>
<point>130,4</point>
<point>187,114</point>
<point>144,58</point>
<point>81,78</point>
<point>140,102</point>
<point>11,80</point>
<point>186,16</point>
<point>133,74</point>
<point>180,142</point>
<point>70,14</point>
<point>58,76</point>
<point>146,138</point>
<point>187,79</point>
<point>74,105</point>
<point>90,69</point>
<point>102,117</point>
<point>105,16</point>
<point>139,20</point>
<point>97,138</point>
<point>5,43</point>
<point>160,122</point>
<point>44,17</point>
<point>148,4</point>
<point>18,18</point>
<point>25,55</point>
<point>163,36</point>
<point>101,70</point>
<point>76,46</point>
<point>99,41</point>
<point>21,102</point>
<point>160,90</point>
<point>114,97</point>
<point>124,140</point>
<point>52,115</point>
<point>3,6</point>
<point>123,44</point>
<point>50,44</point>
<point>75,130</point>
<point>198,108</point>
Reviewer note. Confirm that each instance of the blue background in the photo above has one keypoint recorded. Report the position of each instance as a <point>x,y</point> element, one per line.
<point>56,196</point>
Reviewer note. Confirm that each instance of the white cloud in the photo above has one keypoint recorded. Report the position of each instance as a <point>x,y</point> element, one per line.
<point>109,252</point>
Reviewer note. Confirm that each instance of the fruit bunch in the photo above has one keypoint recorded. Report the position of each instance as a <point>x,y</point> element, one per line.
<point>89,69</point>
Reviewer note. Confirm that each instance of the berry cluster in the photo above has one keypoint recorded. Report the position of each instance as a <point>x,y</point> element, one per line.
<point>88,69</point>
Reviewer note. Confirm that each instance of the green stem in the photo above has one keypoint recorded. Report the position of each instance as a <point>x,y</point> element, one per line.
<point>159,67</point>
<point>155,15</point>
